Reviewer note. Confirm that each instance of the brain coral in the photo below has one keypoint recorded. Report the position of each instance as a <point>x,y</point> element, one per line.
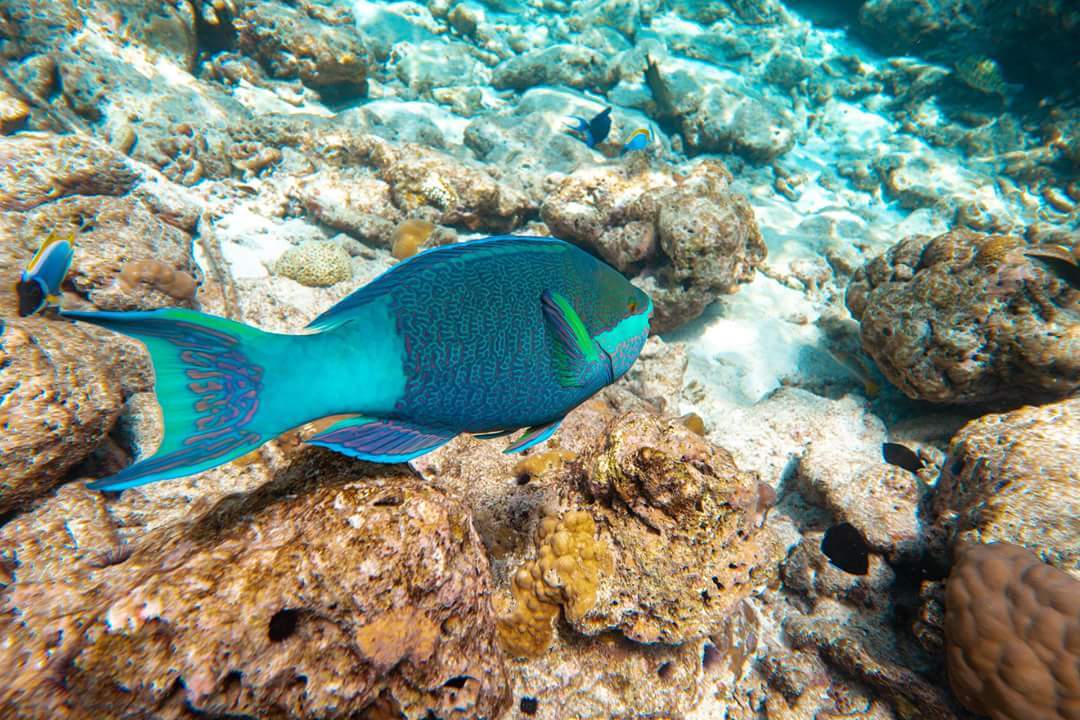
<point>315,264</point>
<point>968,318</point>
<point>1012,628</point>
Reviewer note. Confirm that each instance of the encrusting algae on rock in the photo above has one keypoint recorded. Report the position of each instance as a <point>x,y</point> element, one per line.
<point>410,236</point>
<point>565,573</point>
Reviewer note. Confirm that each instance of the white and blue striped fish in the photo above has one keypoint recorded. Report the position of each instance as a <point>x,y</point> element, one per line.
<point>39,285</point>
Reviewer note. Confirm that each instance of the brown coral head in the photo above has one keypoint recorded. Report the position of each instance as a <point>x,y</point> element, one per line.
<point>410,236</point>
<point>1012,634</point>
<point>175,283</point>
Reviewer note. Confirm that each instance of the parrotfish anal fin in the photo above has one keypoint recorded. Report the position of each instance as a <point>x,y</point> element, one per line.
<point>206,383</point>
<point>493,435</point>
<point>533,436</point>
<point>381,441</point>
<point>575,354</point>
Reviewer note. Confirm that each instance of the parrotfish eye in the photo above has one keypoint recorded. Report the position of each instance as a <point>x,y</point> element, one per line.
<point>632,306</point>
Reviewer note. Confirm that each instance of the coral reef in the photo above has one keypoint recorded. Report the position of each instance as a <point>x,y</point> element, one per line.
<point>650,477</point>
<point>177,284</point>
<point>297,43</point>
<point>1014,478</point>
<point>410,237</point>
<point>305,598</point>
<point>35,169</point>
<point>566,572</point>
<point>688,237</point>
<point>1011,624</point>
<point>60,399</point>
<point>968,318</point>
<point>315,264</point>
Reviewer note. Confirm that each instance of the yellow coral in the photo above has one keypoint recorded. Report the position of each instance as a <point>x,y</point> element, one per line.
<point>996,250</point>
<point>410,236</point>
<point>539,463</point>
<point>565,572</point>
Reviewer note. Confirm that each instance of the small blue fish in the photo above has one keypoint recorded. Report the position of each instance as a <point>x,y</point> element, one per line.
<point>40,282</point>
<point>484,337</point>
<point>594,131</point>
<point>639,140</point>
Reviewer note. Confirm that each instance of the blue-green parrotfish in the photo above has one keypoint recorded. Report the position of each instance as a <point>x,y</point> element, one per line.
<point>39,285</point>
<point>483,337</point>
<point>595,131</point>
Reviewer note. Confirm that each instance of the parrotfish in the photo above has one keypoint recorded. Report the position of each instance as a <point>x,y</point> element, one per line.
<point>39,284</point>
<point>639,140</point>
<point>483,337</point>
<point>593,131</point>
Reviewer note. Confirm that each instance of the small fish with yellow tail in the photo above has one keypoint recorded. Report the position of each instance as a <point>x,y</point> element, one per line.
<point>638,140</point>
<point>39,285</point>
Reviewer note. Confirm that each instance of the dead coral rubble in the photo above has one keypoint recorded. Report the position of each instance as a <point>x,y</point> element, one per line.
<point>688,239</point>
<point>1012,625</point>
<point>303,599</point>
<point>969,318</point>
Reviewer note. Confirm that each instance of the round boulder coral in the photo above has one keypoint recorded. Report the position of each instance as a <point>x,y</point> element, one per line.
<point>1011,628</point>
<point>315,264</point>
<point>969,318</point>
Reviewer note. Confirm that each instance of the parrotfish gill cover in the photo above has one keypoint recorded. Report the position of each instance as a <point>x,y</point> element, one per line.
<point>483,337</point>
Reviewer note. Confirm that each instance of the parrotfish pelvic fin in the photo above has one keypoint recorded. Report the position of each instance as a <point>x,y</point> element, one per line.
<point>494,435</point>
<point>382,441</point>
<point>533,436</point>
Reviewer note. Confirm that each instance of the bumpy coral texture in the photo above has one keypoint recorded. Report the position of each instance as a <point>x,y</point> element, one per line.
<point>683,524</point>
<point>565,573</point>
<point>57,402</point>
<point>320,595</point>
<point>315,263</point>
<point>688,238</point>
<point>1012,628</point>
<point>1015,477</point>
<point>968,318</point>
<point>36,169</point>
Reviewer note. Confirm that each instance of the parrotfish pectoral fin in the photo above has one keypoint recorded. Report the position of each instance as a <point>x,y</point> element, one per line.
<point>381,441</point>
<point>207,382</point>
<point>576,355</point>
<point>533,436</point>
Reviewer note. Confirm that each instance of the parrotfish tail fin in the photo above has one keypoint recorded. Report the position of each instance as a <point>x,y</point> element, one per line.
<point>381,441</point>
<point>208,384</point>
<point>533,436</point>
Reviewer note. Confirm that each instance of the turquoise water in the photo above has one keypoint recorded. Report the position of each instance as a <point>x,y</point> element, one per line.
<point>857,224</point>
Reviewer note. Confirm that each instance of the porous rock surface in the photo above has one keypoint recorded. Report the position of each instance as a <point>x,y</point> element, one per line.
<point>687,239</point>
<point>333,590</point>
<point>1015,477</point>
<point>1012,625</point>
<point>968,318</point>
<point>58,400</point>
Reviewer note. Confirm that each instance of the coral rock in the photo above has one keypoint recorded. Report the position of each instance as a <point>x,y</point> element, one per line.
<point>410,236</point>
<point>1011,629</point>
<point>292,44</point>
<point>315,264</point>
<point>571,65</point>
<point>690,238</point>
<point>306,598</point>
<point>968,318</point>
<point>682,522</point>
<point>59,401</point>
<point>36,168</point>
<point>1014,477</point>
